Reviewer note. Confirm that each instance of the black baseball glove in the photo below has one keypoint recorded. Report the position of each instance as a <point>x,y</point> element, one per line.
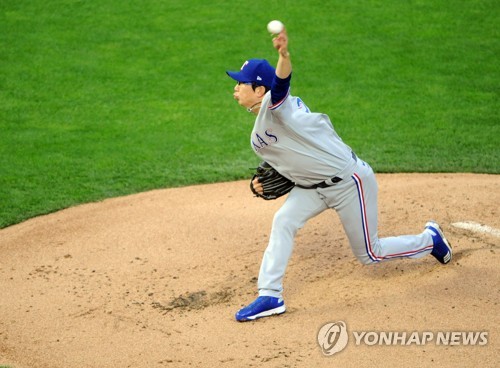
<point>274,184</point>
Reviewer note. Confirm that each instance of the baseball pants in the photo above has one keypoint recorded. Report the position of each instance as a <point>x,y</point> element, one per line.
<point>355,201</point>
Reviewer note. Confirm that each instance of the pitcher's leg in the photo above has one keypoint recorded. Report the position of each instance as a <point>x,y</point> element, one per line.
<point>300,206</point>
<point>359,215</point>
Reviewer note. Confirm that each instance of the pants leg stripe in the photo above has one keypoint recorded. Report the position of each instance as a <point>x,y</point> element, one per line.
<point>366,233</point>
<point>364,223</point>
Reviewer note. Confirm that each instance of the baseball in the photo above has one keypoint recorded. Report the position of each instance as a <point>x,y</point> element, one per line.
<point>275,27</point>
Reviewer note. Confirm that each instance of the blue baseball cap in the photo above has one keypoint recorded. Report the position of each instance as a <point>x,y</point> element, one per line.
<point>257,71</point>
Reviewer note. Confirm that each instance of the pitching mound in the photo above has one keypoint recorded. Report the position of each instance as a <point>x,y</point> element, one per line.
<point>154,280</point>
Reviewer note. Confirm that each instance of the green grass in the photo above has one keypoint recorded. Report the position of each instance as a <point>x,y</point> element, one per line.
<point>106,98</point>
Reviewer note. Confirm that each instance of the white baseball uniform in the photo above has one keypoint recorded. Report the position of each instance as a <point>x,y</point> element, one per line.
<point>304,147</point>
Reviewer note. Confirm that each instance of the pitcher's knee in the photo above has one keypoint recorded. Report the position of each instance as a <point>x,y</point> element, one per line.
<point>282,221</point>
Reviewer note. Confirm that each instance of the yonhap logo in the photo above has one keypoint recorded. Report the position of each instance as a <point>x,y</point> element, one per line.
<point>333,338</point>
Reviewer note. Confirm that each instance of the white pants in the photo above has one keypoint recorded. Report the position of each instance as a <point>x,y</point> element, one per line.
<point>355,200</point>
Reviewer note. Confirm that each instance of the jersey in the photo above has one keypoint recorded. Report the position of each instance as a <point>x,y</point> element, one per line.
<point>301,145</point>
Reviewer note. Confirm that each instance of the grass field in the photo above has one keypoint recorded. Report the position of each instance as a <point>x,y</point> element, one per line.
<point>106,98</point>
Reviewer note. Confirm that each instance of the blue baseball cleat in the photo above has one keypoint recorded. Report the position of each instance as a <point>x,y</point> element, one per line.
<point>263,306</point>
<point>442,250</point>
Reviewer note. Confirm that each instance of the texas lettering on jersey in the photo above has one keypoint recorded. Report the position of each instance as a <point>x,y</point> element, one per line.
<point>260,141</point>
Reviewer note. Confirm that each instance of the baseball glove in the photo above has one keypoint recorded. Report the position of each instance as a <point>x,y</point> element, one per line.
<point>274,184</point>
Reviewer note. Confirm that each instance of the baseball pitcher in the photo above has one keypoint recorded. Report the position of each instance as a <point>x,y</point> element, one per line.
<point>304,157</point>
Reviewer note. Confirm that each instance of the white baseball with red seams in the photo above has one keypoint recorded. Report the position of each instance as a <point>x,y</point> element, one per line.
<point>275,27</point>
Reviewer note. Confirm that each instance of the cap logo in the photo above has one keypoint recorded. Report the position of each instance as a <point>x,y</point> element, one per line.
<point>244,65</point>
<point>259,78</point>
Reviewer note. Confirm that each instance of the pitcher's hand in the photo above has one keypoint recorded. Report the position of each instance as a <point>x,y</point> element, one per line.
<point>257,186</point>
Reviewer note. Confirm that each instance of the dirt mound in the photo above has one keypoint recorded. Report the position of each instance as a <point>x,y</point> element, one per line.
<point>154,280</point>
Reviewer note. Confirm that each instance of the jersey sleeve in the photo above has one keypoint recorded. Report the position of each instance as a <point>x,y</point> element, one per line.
<point>279,90</point>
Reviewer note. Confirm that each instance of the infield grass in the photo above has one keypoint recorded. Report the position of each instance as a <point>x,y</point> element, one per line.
<point>106,98</point>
